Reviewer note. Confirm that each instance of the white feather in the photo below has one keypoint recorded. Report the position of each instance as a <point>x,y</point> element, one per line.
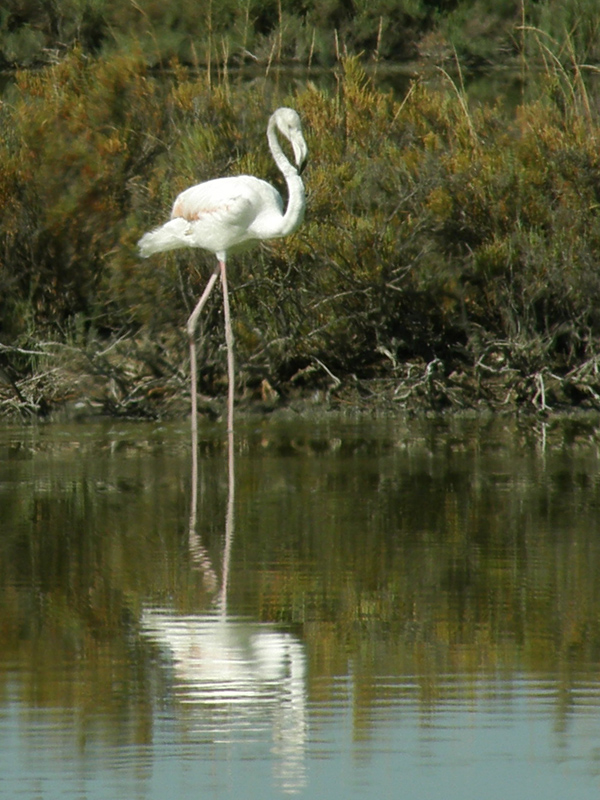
<point>226,213</point>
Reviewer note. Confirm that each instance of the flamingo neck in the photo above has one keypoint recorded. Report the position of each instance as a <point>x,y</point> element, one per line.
<point>294,213</point>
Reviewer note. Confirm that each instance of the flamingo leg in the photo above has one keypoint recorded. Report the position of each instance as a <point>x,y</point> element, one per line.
<point>230,446</point>
<point>229,342</point>
<point>191,326</point>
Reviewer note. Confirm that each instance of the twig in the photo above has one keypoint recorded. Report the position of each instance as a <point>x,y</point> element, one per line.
<point>4,348</point>
<point>337,382</point>
<point>541,392</point>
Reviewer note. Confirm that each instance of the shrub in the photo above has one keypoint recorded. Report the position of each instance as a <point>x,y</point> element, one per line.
<point>436,233</point>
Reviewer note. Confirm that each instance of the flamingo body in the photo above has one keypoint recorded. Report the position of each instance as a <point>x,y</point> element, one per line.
<point>220,215</point>
<point>223,214</point>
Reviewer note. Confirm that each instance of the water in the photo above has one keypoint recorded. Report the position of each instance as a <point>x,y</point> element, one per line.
<point>392,608</point>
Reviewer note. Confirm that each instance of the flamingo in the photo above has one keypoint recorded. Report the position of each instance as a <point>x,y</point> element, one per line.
<point>226,214</point>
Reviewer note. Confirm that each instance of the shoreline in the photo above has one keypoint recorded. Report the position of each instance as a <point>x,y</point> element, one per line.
<point>110,384</point>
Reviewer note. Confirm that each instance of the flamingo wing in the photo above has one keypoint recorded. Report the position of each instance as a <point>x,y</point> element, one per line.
<point>226,212</point>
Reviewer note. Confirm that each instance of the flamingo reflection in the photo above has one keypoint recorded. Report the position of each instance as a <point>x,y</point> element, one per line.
<point>234,676</point>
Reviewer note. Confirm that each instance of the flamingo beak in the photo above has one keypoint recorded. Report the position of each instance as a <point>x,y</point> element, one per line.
<point>300,154</point>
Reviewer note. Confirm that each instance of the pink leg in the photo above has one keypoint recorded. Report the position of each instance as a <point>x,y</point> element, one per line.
<point>230,445</point>
<point>229,342</point>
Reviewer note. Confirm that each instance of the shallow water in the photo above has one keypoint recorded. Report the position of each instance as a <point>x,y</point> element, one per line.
<point>393,608</point>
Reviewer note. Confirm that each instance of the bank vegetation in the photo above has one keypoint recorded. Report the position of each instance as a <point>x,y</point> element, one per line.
<point>448,260</point>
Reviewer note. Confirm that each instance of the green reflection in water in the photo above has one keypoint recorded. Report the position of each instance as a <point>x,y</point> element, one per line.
<point>447,552</point>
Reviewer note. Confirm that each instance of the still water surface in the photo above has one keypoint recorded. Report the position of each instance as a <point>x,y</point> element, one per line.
<point>385,609</point>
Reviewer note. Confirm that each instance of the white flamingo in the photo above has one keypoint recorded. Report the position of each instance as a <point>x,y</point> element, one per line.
<point>224,214</point>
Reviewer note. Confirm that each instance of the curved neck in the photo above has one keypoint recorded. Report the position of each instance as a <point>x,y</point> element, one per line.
<point>294,213</point>
<point>279,156</point>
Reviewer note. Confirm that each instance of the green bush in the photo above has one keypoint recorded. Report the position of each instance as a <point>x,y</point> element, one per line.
<point>74,140</point>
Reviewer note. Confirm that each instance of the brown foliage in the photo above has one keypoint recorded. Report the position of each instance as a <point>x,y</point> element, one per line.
<point>436,233</point>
